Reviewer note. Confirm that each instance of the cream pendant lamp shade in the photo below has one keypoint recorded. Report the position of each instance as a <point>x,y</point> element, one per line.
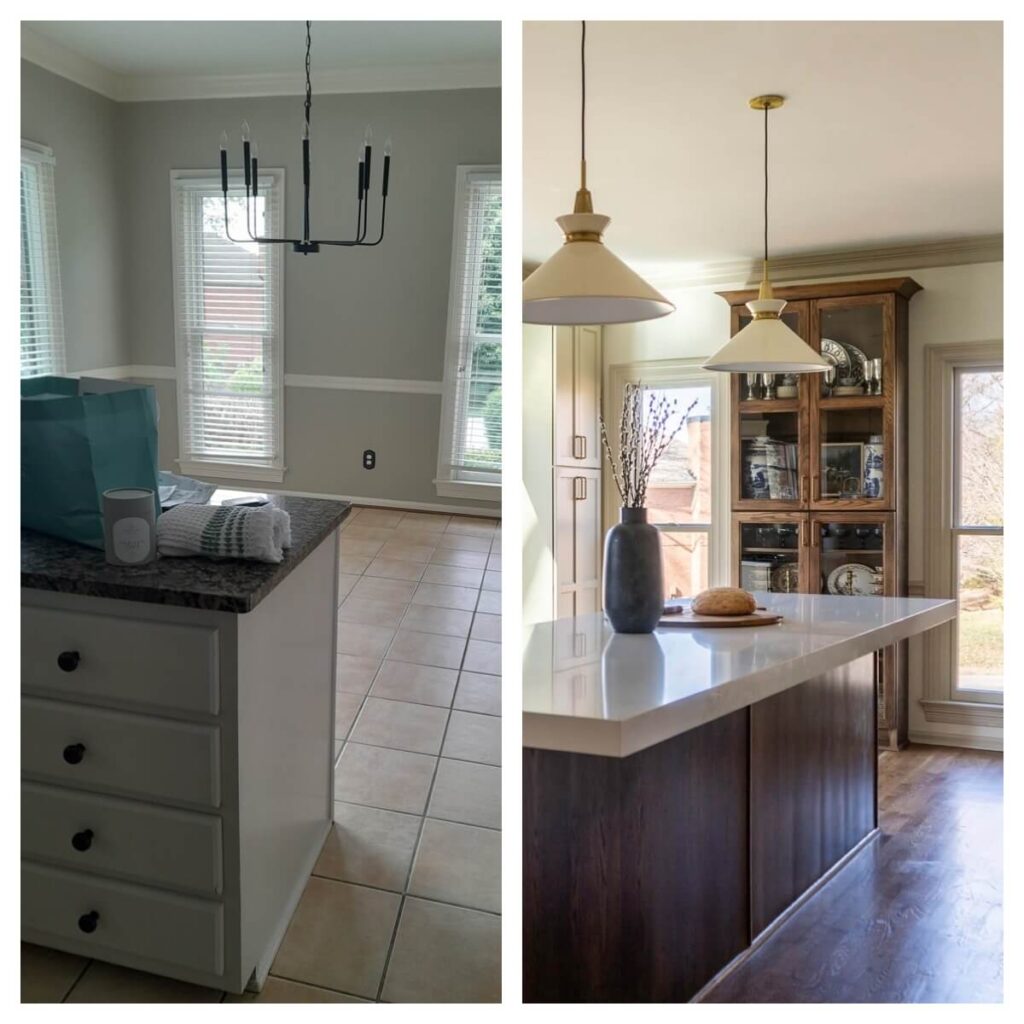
<point>584,282</point>
<point>766,344</point>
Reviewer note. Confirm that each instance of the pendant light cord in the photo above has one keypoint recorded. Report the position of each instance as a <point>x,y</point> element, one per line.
<point>583,92</point>
<point>766,190</point>
<point>309,86</point>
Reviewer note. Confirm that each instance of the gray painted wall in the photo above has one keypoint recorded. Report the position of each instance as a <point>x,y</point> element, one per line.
<point>81,127</point>
<point>351,313</point>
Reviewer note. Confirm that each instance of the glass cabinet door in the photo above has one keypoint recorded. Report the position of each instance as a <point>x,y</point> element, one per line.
<point>852,405</point>
<point>854,555</point>
<point>770,430</point>
<point>770,552</point>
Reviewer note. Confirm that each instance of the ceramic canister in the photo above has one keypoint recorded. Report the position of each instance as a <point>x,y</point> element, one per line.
<point>129,525</point>
<point>874,468</point>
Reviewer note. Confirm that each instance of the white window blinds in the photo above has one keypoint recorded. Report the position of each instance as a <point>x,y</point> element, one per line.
<point>228,315</point>
<point>470,450</point>
<point>42,315</point>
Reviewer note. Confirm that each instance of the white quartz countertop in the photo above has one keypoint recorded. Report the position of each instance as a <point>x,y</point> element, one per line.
<point>589,690</point>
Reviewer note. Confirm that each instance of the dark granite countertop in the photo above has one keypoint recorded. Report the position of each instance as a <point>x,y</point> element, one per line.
<point>227,585</point>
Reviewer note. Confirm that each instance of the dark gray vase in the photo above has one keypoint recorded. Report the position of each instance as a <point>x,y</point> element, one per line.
<point>634,595</point>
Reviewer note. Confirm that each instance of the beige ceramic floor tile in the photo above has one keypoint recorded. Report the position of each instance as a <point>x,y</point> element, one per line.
<point>478,692</point>
<point>352,544</point>
<point>490,602</point>
<point>458,864</point>
<point>465,559</point>
<point>108,983</point>
<point>472,737</point>
<point>492,580</point>
<point>427,648</point>
<point>407,551</point>
<point>360,532</point>
<point>440,596</point>
<point>395,569</point>
<point>462,542</point>
<point>401,726</point>
<point>371,613</point>
<point>486,627</point>
<point>394,780</point>
<point>482,656</point>
<point>280,990</point>
<point>444,954</point>
<point>369,846</point>
<point>373,588</point>
<point>346,707</point>
<point>338,937</point>
<point>427,619</point>
<point>434,521</point>
<point>380,517</point>
<point>47,974</point>
<point>346,581</point>
<point>466,792</point>
<point>362,640</point>
<point>453,576</point>
<point>419,684</point>
<point>353,564</point>
<point>354,674</point>
<point>472,525</point>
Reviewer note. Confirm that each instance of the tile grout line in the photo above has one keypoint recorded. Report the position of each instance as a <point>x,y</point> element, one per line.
<point>74,984</point>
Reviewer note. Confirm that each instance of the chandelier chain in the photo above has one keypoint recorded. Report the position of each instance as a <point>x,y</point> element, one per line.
<point>583,92</point>
<point>766,184</point>
<point>309,86</point>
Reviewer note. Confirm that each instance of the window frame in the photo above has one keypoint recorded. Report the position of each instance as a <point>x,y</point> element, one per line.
<point>49,258</point>
<point>449,481</point>
<point>271,470</point>
<point>668,373</point>
<point>943,700</point>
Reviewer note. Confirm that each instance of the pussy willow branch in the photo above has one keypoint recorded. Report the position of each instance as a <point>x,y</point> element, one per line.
<point>641,444</point>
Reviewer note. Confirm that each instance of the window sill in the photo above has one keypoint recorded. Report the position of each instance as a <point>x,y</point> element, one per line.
<point>468,489</point>
<point>962,712</point>
<point>231,471</point>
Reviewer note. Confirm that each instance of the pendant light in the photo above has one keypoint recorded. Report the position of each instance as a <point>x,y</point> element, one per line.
<point>584,282</point>
<point>766,344</point>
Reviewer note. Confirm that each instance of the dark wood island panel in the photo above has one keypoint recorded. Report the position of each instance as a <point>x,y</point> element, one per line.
<point>635,869</point>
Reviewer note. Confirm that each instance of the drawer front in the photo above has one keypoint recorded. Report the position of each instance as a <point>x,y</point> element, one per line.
<point>129,754</point>
<point>161,926</point>
<point>151,664</point>
<point>141,842</point>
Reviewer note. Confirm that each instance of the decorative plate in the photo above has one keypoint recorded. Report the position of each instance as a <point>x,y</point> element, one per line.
<point>786,578</point>
<point>857,361</point>
<point>837,355</point>
<point>854,580</point>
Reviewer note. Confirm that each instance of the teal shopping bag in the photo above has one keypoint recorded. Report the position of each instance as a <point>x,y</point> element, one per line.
<point>80,438</point>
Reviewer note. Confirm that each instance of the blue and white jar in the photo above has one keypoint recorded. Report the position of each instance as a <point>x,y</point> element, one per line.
<point>874,467</point>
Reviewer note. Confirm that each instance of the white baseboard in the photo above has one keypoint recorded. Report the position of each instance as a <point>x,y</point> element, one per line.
<point>408,506</point>
<point>957,739</point>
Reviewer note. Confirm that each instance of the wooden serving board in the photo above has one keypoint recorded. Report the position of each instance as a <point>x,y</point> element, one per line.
<point>688,620</point>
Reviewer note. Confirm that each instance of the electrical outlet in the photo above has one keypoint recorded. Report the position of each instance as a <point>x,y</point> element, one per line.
<point>369,459</point>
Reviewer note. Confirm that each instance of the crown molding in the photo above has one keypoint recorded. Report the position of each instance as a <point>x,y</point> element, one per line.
<point>61,61</point>
<point>883,259</point>
<point>146,88</point>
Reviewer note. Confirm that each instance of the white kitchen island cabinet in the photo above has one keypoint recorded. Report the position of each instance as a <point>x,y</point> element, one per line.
<point>177,750</point>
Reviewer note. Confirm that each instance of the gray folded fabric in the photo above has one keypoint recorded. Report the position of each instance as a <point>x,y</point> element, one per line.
<point>219,531</point>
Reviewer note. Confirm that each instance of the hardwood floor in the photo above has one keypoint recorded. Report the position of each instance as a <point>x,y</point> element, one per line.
<point>917,916</point>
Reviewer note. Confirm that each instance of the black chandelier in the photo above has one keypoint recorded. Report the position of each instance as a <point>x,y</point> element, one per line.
<point>250,160</point>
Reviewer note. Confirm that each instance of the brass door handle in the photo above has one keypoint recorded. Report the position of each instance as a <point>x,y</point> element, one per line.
<point>579,446</point>
<point>579,488</point>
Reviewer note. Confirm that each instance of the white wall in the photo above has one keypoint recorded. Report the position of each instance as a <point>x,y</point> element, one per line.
<point>957,304</point>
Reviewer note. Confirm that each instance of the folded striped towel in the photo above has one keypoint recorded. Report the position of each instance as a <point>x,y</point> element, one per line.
<point>221,531</point>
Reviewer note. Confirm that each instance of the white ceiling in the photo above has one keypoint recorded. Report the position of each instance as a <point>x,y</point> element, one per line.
<point>891,134</point>
<point>162,59</point>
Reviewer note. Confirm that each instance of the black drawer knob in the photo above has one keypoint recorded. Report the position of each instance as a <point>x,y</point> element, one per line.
<point>81,841</point>
<point>88,922</point>
<point>74,752</point>
<point>68,660</point>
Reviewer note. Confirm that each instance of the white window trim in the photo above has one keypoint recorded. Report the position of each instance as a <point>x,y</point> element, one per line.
<point>681,373</point>
<point>273,473</point>
<point>942,700</point>
<point>445,484</point>
<point>37,153</point>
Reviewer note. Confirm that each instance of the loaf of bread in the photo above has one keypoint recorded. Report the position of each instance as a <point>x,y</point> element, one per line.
<point>724,601</point>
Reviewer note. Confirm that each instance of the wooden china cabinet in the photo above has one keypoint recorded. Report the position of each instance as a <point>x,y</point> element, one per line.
<point>819,462</point>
